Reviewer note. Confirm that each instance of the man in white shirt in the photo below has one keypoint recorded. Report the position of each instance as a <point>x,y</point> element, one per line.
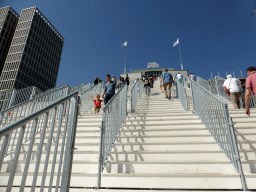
<point>231,87</point>
<point>179,77</point>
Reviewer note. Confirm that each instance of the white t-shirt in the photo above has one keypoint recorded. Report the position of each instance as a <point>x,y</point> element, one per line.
<point>232,84</point>
<point>179,76</point>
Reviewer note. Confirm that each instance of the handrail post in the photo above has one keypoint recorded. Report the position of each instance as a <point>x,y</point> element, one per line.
<point>238,160</point>
<point>102,129</point>
<point>33,92</point>
<point>12,98</point>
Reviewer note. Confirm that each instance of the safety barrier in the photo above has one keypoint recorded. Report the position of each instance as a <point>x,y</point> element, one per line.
<point>136,93</point>
<point>112,118</point>
<point>81,88</point>
<point>86,98</point>
<point>17,112</point>
<point>5,97</point>
<point>182,96</point>
<point>214,114</point>
<point>48,120</point>
<point>12,97</point>
<point>22,95</point>
<point>252,103</point>
<point>205,84</point>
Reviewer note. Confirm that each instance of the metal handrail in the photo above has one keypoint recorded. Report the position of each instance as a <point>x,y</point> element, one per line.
<point>112,118</point>
<point>14,113</point>
<point>12,97</point>
<point>136,93</point>
<point>48,120</point>
<point>182,96</point>
<point>214,114</point>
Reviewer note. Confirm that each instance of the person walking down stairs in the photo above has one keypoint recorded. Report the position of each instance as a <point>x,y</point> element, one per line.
<point>166,79</point>
<point>147,87</point>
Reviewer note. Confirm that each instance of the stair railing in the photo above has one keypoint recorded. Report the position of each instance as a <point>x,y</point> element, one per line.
<point>57,123</point>
<point>112,118</point>
<point>86,98</point>
<point>136,93</point>
<point>203,83</point>
<point>21,110</point>
<point>182,96</point>
<point>214,114</point>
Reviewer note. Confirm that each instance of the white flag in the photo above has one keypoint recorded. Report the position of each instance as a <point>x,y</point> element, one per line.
<point>124,44</point>
<point>175,43</point>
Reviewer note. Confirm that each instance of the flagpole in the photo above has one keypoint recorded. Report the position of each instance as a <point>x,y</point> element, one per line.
<point>180,56</point>
<point>125,61</point>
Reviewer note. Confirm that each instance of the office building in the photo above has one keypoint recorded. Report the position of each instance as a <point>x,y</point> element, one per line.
<point>8,22</point>
<point>34,55</point>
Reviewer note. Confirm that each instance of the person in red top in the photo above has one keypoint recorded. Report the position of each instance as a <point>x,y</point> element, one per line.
<point>97,104</point>
<point>250,87</point>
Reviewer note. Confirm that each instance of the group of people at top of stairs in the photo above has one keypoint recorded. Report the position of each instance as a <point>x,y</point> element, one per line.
<point>109,91</point>
<point>232,88</point>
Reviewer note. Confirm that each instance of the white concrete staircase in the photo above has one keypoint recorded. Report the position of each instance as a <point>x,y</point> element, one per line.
<point>160,146</point>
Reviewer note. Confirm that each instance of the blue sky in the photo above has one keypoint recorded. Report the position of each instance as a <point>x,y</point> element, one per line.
<point>215,35</point>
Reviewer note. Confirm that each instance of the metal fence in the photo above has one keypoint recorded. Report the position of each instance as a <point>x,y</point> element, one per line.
<point>112,118</point>
<point>215,116</point>
<point>136,93</point>
<point>5,98</point>
<point>205,84</point>
<point>86,98</point>
<point>12,97</point>
<point>22,95</point>
<point>182,96</point>
<point>17,112</point>
<point>57,123</point>
<point>81,88</point>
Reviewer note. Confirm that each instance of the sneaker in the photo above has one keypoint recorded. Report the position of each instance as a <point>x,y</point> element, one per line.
<point>169,97</point>
<point>166,96</point>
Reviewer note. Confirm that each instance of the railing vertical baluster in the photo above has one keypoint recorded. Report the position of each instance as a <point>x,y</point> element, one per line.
<point>4,149</point>
<point>69,147</point>
<point>32,140</point>
<point>39,151</point>
<point>63,144</point>
<point>56,145</point>
<point>16,158</point>
<point>48,149</point>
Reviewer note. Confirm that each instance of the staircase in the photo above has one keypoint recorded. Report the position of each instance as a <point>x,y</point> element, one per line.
<point>159,146</point>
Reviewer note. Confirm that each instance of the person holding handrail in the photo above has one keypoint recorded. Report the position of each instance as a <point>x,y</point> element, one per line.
<point>109,90</point>
<point>250,87</point>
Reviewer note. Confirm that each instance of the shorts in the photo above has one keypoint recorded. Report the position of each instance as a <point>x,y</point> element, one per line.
<point>97,109</point>
<point>168,85</point>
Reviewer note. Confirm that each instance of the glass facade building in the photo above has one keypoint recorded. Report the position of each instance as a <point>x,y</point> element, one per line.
<point>8,22</point>
<point>34,55</point>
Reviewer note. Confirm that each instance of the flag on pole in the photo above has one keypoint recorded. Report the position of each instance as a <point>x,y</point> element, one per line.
<point>124,44</point>
<point>175,43</point>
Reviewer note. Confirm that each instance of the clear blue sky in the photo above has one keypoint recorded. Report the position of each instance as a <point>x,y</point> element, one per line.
<point>215,35</point>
